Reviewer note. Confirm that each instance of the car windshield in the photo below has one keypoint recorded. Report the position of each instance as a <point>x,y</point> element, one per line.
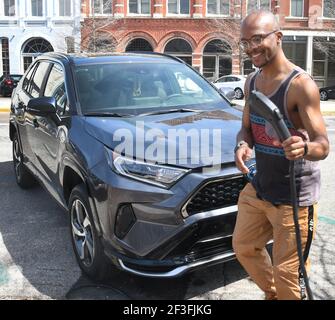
<point>139,88</point>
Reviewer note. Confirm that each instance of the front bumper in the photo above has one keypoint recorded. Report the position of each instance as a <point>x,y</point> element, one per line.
<point>207,241</point>
<point>163,241</point>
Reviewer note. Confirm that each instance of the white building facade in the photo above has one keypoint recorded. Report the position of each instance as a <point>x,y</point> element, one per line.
<point>31,27</point>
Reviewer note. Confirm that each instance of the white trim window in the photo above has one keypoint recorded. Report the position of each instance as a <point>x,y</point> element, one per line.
<point>179,6</point>
<point>37,8</point>
<point>7,8</point>
<point>102,6</point>
<point>64,8</point>
<point>218,7</point>
<point>329,9</point>
<point>259,4</point>
<point>139,6</point>
<point>297,8</point>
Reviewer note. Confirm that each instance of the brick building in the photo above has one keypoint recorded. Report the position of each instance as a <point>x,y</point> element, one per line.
<point>205,33</point>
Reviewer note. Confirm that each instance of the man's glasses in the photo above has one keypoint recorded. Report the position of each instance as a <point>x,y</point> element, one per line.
<point>254,41</point>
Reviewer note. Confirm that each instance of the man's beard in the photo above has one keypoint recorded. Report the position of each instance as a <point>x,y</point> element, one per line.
<point>267,60</point>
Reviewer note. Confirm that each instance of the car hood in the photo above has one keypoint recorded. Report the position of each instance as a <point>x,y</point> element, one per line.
<point>188,140</point>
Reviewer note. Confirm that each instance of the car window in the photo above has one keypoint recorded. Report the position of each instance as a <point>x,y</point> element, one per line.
<point>27,78</point>
<point>223,79</point>
<point>55,87</point>
<point>131,88</point>
<point>36,83</point>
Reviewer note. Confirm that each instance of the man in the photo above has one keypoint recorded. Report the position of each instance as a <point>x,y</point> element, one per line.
<point>264,207</point>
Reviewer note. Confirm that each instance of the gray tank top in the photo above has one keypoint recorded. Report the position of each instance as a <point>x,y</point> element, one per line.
<point>272,181</point>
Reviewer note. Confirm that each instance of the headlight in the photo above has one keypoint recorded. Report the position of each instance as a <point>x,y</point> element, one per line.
<point>159,175</point>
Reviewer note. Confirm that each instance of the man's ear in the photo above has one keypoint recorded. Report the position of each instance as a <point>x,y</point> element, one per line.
<point>279,35</point>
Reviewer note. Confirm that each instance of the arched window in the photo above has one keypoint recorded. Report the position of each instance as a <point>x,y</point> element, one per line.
<point>32,48</point>
<point>217,60</point>
<point>139,44</point>
<point>181,49</point>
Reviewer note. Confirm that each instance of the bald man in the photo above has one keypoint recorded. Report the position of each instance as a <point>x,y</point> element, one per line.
<point>264,207</point>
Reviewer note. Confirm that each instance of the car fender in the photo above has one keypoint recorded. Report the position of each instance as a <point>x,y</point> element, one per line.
<point>73,164</point>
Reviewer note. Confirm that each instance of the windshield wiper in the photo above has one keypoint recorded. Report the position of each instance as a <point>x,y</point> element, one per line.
<point>105,114</point>
<point>169,111</point>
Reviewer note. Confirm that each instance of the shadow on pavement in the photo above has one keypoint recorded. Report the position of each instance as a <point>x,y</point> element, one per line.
<point>36,235</point>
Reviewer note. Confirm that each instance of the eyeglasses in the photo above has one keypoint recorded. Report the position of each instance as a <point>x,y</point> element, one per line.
<point>254,41</point>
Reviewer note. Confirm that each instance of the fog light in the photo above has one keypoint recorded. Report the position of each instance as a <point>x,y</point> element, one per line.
<point>125,219</point>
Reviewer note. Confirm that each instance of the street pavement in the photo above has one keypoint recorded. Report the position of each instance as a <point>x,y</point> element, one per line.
<point>37,261</point>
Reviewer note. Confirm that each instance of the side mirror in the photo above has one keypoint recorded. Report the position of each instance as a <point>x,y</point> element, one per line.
<point>42,106</point>
<point>228,93</point>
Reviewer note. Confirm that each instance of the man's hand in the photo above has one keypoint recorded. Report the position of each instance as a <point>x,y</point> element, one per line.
<point>243,153</point>
<point>294,147</point>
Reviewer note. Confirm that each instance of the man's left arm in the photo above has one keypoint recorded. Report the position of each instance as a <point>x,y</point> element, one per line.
<point>307,99</point>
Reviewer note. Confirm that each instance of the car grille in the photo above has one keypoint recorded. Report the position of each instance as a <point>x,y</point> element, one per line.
<point>216,194</point>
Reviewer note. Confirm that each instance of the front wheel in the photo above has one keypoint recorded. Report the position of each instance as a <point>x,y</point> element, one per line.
<point>23,177</point>
<point>85,240</point>
<point>323,95</point>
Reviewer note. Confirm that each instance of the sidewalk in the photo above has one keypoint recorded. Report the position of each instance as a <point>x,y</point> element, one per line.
<point>327,107</point>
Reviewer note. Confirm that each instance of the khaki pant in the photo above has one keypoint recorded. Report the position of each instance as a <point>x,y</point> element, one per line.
<point>259,221</point>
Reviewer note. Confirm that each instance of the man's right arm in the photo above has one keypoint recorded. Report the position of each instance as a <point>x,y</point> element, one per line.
<point>244,141</point>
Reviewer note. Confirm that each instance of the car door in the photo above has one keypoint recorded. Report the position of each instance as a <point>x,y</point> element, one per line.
<point>20,101</point>
<point>34,90</point>
<point>51,131</point>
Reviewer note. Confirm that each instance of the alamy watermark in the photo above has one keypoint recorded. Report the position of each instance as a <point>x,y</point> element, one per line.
<point>193,146</point>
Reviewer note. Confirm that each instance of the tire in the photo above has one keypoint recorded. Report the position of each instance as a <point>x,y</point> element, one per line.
<point>86,243</point>
<point>239,93</point>
<point>323,95</point>
<point>23,176</point>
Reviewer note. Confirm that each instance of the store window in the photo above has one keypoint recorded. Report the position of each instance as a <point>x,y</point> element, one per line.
<point>216,60</point>
<point>295,49</point>
<point>324,60</point>
<point>179,48</point>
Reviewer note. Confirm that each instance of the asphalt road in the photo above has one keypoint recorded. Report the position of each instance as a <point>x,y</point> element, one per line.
<point>37,262</point>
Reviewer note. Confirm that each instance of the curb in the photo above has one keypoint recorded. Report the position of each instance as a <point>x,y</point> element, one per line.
<point>324,112</point>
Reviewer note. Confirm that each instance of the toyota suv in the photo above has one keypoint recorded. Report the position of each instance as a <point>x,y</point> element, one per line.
<point>142,161</point>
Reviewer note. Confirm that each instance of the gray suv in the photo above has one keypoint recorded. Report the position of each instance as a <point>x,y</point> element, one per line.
<point>138,149</point>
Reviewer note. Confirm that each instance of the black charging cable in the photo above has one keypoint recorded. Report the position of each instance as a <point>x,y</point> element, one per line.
<point>302,269</point>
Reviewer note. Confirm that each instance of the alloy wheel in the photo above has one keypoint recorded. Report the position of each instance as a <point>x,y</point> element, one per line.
<point>82,233</point>
<point>323,95</point>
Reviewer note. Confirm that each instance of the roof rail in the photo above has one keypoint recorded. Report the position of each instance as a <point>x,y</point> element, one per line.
<point>158,54</point>
<point>57,54</point>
